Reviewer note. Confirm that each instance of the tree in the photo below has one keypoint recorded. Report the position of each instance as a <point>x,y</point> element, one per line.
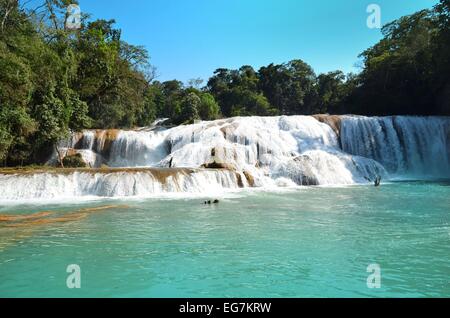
<point>195,83</point>
<point>189,108</point>
<point>154,98</point>
<point>54,80</point>
<point>15,126</point>
<point>398,75</point>
<point>273,82</point>
<point>238,92</point>
<point>173,95</point>
<point>289,87</point>
<point>17,83</point>
<point>330,90</point>
<point>208,108</point>
<point>53,118</point>
<point>219,85</point>
<point>441,58</point>
<point>9,12</point>
<point>51,78</point>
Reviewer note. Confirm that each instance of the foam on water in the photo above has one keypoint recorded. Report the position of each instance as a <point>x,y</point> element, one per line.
<point>405,145</point>
<point>116,184</point>
<point>265,152</point>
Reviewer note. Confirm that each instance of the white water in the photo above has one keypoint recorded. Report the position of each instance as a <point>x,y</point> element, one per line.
<point>406,146</point>
<point>116,184</point>
<point>273,151</point>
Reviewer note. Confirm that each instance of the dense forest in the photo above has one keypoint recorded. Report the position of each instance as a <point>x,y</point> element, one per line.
<point>54,80</point>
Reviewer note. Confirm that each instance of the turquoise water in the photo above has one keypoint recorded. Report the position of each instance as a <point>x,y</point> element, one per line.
<point>311,242</point>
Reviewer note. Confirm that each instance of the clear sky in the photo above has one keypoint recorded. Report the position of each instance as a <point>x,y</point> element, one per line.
<point>191,38</point>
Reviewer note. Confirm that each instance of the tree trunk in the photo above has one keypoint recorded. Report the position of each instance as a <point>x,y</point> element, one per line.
<point>8,9</point>
<point>60,158</point>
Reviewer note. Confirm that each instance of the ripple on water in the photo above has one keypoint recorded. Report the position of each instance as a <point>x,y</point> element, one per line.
<point>316,242</point>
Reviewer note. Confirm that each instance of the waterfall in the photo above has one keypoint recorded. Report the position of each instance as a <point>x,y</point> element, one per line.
<point>404,145</point>
<point>251,152</point>
<point>114,183</point>
<point>116,148</point>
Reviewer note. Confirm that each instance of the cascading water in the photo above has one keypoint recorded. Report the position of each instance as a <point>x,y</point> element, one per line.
<point>114,183</point>
<point>253,151</point>
<point>405,145</point>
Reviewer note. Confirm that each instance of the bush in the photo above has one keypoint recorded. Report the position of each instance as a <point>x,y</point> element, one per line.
<point>74,161</point>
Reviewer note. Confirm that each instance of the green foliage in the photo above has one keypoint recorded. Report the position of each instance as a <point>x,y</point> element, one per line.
<point>15,78</point>
<point>16,90</point>
<point>238,94</point>
<point>289,87</point>
<point>404,73</point>
<point>208,108</point>
<point>53,80</point>
<point>170,106</point>
<point>79,118</point>
<point>53,118</point>
<point>74,161</point>
<point>189,108</point>
<point>407,71</point>
<point>153,97</point>
<point>5,141</point>
<point>330,90</point>
<point>15,126</point>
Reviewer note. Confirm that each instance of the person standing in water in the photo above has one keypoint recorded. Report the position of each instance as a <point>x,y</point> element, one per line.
<point>377,181</point>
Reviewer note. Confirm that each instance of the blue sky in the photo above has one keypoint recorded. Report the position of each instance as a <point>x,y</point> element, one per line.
<point>191,38</point>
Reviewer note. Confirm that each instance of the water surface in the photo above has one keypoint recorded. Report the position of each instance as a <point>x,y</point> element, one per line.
<point>309,242</point>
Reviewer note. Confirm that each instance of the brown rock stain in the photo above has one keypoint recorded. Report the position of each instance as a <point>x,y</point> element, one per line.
<point>228,129</point>
<point>334,121</point>
<point>239,180</point>
<point>104,140</point>
<point>250,178</point>
<point>163,174</point>
<point>70,152</point>
<point>104,169</point>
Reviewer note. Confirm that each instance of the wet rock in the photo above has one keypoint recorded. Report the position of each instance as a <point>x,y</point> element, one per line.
<point>218,165</point>
<point>334,121</point>
<point>300,171</point>
<point>250,178</point>
<point>239,180</point>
